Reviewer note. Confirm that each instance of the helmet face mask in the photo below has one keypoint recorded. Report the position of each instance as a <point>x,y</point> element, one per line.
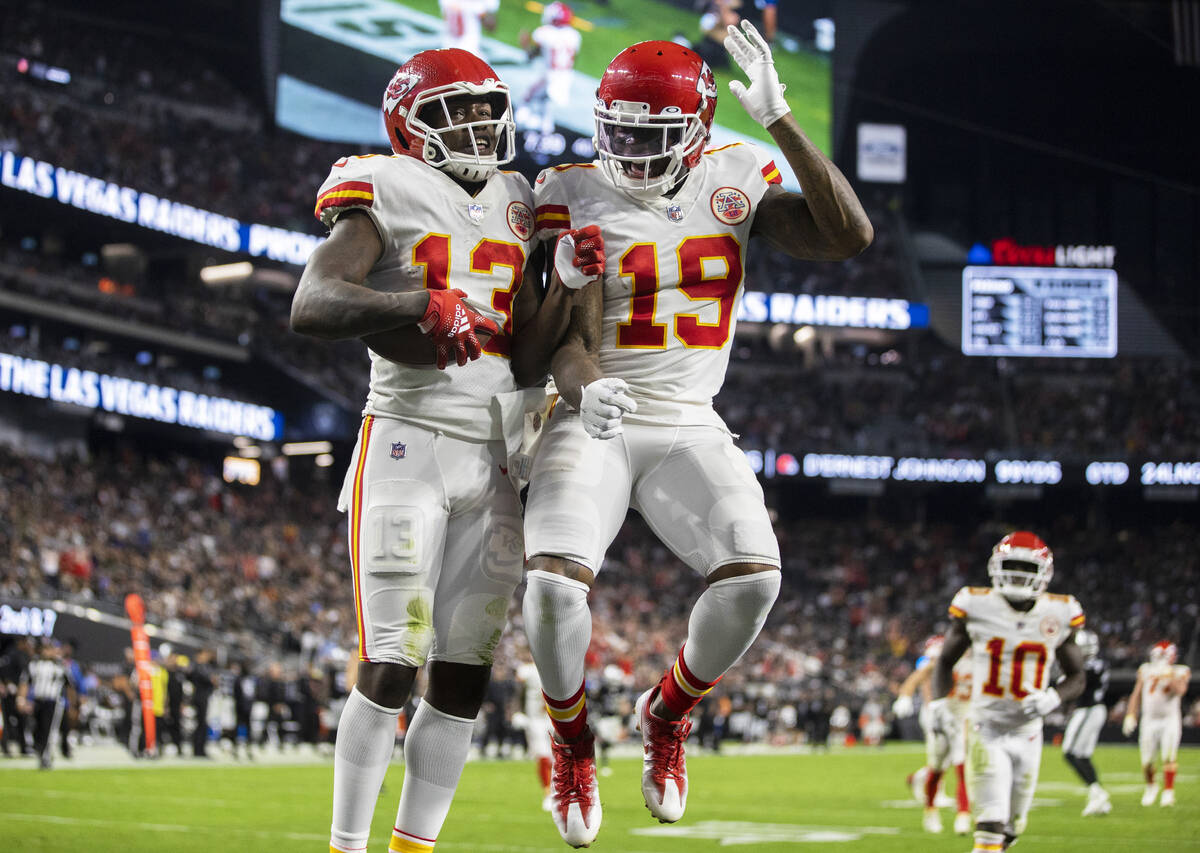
<point>420,105</point>
<point>1021,567</point>
<point>654,110</point>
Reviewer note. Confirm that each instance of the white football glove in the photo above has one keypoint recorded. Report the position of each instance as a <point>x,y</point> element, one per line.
<point>1039,703</point>
<point>903,706</point>
<point>604,404</point>
<point>1129,725</point>
<point>764,99</point>
<point>579,257</point>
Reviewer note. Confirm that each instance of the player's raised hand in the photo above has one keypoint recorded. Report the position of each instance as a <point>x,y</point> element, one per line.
<point>764,99</point>
<point>903,706</point>
<point>579,257</point>
<point>451,324</point>
<point>604,404</point>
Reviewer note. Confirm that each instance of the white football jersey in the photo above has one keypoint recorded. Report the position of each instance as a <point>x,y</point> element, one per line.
<point>1012,651</point>
<point>960,689</point>
<point>436,235</point>
<point>673,276</point>
<point>1156,704</point>
<point>559,46</point>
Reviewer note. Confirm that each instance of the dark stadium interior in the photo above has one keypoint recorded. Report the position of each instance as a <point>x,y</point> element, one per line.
<point>1060,122</point>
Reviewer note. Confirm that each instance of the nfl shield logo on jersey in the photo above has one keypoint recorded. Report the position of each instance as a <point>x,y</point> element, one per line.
<point>475,211</point>
<point>398,450</point>
<point>674,212</point>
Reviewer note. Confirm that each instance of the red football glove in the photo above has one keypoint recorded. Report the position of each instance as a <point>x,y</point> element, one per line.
<point>450,323</point>
<point>579,257</point>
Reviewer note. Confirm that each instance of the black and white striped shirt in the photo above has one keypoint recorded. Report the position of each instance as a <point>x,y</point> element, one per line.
<point>47,679</point>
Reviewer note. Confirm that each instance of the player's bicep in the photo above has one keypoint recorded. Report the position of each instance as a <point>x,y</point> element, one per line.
<point>786,222</point>
<point>353,247</point>
<point>1070,657</point>
<point>955,645</point>
<point>530,294</point>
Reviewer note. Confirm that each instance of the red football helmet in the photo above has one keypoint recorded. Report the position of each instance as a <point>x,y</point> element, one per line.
<point>557,14</point>
<point>654,111</point>
<point>1021,566</point>
<point>1163,652</point>
<point>429,79</point>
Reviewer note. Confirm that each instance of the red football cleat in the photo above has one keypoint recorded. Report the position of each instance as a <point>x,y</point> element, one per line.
<point>575,800</point>
<point>664,767</point>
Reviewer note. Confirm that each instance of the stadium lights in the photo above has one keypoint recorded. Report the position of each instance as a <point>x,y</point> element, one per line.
<point>241,441</point>
<point>306,448</point>
<point>324,460</point>
<point>226,273</point>
<point>251,452</point>
<point>803,335</point>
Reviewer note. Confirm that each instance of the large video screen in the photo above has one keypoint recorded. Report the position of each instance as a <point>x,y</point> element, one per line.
<point>1039,311</point>
<point>336,59</point>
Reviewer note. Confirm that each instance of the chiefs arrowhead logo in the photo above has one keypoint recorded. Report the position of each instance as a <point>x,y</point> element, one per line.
<point>402,83</point>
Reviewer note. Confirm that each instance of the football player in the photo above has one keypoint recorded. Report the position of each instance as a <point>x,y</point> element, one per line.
<point>1157,696</point>
<point>645,353</point>
<point>558,43</point>
<point>428,248</point>
<point>943,749</point>
<point>1015,631</point>
<point>536,726</point>
<point>1086,721</point>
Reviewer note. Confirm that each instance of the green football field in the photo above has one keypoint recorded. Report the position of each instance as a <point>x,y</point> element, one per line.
<point>853,800</point>
<point>621,23</point>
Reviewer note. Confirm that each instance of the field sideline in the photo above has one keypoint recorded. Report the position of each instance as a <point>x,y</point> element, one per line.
<point>852,799</point>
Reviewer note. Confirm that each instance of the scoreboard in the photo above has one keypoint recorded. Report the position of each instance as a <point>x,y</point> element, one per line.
<point>1039,311</point>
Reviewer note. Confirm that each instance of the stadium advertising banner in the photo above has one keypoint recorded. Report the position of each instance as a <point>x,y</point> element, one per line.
<point>95,195</point>
<point>859,312</point>
<point>123,396</point>
<point>1158,473</point>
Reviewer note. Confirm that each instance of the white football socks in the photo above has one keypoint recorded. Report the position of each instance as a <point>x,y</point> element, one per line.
<point>725,621</point>
<point>365,736</point>
<point>435,750</point>
<point>558,624</point>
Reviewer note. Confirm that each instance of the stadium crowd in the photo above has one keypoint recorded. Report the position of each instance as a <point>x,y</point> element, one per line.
<point>262,573</point>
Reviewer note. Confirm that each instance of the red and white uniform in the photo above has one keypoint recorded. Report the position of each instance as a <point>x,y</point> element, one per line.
<point>435,526</point>
<point>1012,652</point>
<point>1161,726</point>
<point>464,28</point>
<point>560,46</point>
<point>671,287</point>
<point>537,722</point>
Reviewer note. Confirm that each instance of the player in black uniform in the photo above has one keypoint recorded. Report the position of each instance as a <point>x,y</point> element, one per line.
<point>1086,721</point>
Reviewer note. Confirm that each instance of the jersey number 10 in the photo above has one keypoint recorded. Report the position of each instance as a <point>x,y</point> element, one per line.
<point>995,647</point>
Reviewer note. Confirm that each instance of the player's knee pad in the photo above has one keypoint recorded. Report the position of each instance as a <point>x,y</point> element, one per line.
<point>747,598</point>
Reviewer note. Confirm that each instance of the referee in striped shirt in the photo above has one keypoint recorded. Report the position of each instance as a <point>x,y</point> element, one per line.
<point>43,685</point>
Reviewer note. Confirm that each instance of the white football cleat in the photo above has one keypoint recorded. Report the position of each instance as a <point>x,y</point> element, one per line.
<point>1097,804</point>
<point>574,799</point>
<point>1150,795</point>
<point>932,821</point>
<point>962,823</point>
<point>664,767</point>
<point>1168,797</point>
